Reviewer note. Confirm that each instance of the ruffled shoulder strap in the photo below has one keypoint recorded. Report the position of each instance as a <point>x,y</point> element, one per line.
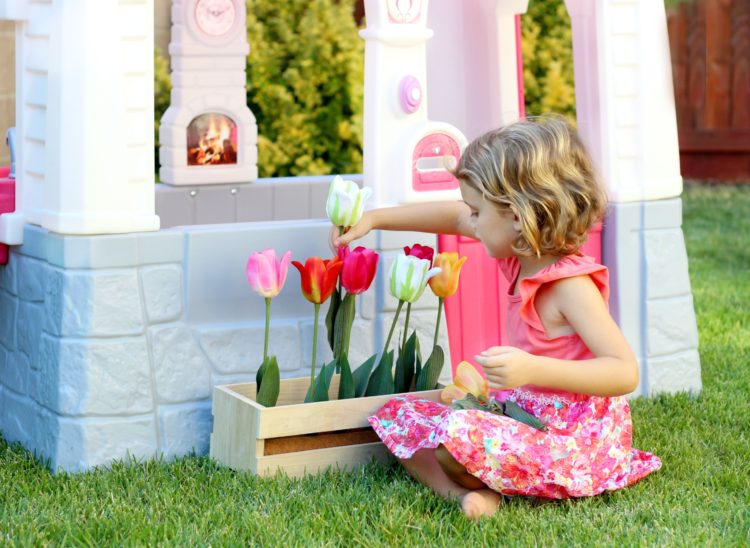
<point>569,266</point>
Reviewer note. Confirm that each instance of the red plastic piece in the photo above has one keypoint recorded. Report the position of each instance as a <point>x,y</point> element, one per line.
<point>7,204</point>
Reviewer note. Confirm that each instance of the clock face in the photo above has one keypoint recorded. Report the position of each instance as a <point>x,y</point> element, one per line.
<point>215,17</point>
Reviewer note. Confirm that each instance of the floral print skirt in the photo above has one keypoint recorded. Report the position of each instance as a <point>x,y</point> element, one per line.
<point>585,450</point>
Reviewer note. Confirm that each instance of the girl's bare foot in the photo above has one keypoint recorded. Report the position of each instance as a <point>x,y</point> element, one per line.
<point>482,502</point>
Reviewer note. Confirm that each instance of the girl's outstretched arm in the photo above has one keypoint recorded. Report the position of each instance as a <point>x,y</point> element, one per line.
<point>613,371</point>
<point>432,217</point>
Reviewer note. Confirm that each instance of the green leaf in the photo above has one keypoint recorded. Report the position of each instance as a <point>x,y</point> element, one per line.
<point>261,371</point>
<point>333,308</point>
<point>430,373</point>
<point>417,366</point>
<point>322,383</point>
<point>269,390</point>
<point>362,375</point>
<point>405,365</point>
<point>346,382</point>
<point>381,381</point>
<point>343,325</point>
<point>514,411</point>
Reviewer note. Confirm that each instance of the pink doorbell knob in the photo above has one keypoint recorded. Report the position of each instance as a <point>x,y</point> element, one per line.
<point>411,94</point>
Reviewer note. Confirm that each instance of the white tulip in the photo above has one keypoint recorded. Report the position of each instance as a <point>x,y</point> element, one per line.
<point>409,276</point>
<point>346,202</point>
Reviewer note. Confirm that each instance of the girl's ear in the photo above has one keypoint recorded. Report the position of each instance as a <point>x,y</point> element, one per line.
<point>516,218</point>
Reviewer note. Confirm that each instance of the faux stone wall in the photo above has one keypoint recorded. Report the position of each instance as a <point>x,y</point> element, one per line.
<point>652,302</point>
<point>110,345</point>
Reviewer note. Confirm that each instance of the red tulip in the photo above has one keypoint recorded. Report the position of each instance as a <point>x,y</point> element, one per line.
<point>359,269</point>
<point>318,277</point>
<point>420,251</point>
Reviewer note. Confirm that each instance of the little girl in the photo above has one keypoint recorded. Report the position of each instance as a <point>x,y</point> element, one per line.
<point>530,196</point>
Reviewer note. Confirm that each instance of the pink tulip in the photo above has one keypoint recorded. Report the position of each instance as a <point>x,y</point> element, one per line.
<point>359,269</point>
<point>420,251</point>
<point>265,274</point>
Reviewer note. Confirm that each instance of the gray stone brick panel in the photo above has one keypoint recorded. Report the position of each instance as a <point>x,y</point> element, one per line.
<point>109,251</point>
<point>291,201</point>
<point>84,443</point>
<point>667,264</point>
<point>185,428</point>
<point>162,292</point>
<point>181,371</point>
<point>254,202</point>
<point>95,376</point>
<point>8,274</point>
<point>14,371</point>
<point>215,204</point>
<point>93,303</point>
<point>29,329</point>
<point>34,242</point>
<point>31,286</point>
<point>174,205</point>
<point>671,326</point>
<point>20,421</point>
<point>236,350</point>
<point>679,371</point>
<point>8,315</point>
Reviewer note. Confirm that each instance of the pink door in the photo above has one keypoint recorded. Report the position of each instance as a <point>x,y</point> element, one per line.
<point>475,315</point>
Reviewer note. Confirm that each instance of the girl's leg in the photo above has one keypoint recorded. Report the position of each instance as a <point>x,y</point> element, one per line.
<point>475,503</point>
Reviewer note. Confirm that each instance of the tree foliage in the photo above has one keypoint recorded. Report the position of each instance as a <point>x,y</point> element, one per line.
<point>548,59</point>
<point>304,85</point>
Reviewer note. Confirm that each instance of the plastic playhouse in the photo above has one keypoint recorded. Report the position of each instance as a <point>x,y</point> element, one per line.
<point>113,331</point>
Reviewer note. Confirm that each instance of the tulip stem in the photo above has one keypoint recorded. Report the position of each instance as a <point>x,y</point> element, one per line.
<point>315,348</point>
<point>268,325</point>
<point>406,326</point>
<point>393,325</point>
<point>437,326</point>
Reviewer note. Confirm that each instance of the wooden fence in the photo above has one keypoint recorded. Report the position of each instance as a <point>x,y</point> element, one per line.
<point>710,45</point>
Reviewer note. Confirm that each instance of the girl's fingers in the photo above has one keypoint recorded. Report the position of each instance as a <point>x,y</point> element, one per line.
<point>496,350</point>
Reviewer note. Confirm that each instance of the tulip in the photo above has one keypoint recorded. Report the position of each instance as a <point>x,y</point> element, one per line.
<point>420,251</point>
<point>266,275</point>
<point>466,380</point>
<point>359,269</point>
<point>409,276</point>
<point>408,279</point>
<point>346,202</point>
<point>318,278</point>
<point>445,284</point>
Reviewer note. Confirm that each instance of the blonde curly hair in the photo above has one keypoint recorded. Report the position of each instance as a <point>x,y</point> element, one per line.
<point>540,168</point>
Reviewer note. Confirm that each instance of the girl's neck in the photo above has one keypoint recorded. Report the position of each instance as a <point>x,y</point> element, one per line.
<point>533,264</point>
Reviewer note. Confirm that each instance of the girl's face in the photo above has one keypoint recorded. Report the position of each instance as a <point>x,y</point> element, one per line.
<point>497,228</point>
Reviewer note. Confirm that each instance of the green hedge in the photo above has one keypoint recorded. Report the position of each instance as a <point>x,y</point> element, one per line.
<point>548,59</point>
<point>306,69</point>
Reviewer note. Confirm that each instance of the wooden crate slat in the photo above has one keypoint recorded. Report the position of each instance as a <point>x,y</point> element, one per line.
<point>318,460</point>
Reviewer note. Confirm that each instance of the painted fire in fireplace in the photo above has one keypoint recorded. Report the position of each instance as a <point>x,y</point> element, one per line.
<point>211,139</point>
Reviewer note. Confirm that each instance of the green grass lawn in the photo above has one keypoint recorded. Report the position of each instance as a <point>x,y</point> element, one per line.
<point>700,497</point>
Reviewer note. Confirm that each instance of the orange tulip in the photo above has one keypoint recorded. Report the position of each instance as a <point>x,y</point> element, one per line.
<point>318,277</point>
<point>467,380</point>
<point>445,284</point>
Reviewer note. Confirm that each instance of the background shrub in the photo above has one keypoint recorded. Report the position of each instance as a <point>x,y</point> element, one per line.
<point>304,85</point>
<point>548,59</point>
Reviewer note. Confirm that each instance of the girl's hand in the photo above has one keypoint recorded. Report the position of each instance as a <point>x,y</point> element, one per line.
<point>506,366</point>
<point>362,228</point>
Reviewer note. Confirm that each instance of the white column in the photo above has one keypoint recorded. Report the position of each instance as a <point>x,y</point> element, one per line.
<point>85,100</point>
<point>624,96</point>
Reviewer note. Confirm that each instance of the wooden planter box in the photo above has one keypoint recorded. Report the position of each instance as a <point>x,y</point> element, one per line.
<point>294,437</point>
